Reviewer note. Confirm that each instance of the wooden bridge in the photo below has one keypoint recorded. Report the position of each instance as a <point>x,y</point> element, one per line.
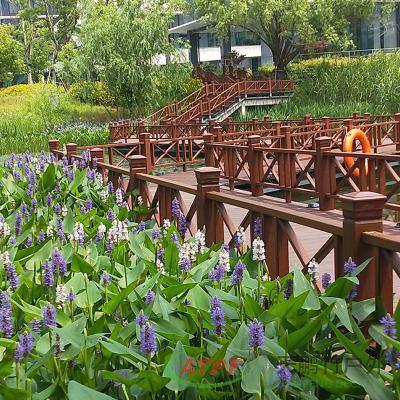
<point>214,101</point>
<point>349,220</point>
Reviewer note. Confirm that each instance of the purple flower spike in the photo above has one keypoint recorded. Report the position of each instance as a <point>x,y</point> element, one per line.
<point>326,280</point>
<point>141,319</point>
<point>36,326</point>
<point>48,274</point>
<point>289,288</point>
<point>389,326</point>
<point>349,266</point>
<point>12,276</point>
<point>175,208</point>
<point>149,297</point>
<point>217,316</point>
<point>148,340</point>
<point>256,334</point>
<point>257,227</point>
<point>49,315</point>
<point>284,375</point>
<point>237,275</point>
<point>105,279</point>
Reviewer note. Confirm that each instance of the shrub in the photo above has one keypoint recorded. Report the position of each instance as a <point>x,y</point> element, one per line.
<point>22,89</point>
<point>91,92</point>
<point>266,71</point>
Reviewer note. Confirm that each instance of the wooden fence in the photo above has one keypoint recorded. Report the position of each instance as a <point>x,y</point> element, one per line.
<point>358,231</point>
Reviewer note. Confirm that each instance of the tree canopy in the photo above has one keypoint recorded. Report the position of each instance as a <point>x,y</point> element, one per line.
<point>11,54</point>
<point>120,43</point>
<point>288,27</point>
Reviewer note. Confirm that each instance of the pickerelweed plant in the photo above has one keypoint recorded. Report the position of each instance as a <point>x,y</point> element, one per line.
<point>98,301</point>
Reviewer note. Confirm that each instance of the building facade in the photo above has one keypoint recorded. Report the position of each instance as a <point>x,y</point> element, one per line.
<point>204,45</point>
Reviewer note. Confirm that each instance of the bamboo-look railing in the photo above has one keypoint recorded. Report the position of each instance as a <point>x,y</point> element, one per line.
<point>358,231</point>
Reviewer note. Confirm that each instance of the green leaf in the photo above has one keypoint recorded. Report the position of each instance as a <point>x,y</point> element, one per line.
<point>301,285</point>
<point>341,287</point>
<point>118,348</point>
<point>48,178</point>
<point>9,393</point>
<point>150,381</point>
<point>79,391</point>
<point>199,298</point>
<point>252,309</point>
<point>341,311</point>
<point>257,371</point>
<point>372,385</point>
<point>328,380</point>
<point>46,393</point>
<point>140,250</point>
<point>174,367</point>
<point>356,350</point>
<point>80,265</point>
<point>299,338</point>
<point>172,291</point>
<point>113,304</point>
<point>72,333</point>
<point>361,310</point>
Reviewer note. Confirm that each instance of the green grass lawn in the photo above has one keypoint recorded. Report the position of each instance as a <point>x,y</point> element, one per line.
<point>31,116</point>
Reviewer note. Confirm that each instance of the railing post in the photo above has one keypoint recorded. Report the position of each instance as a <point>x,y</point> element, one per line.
<point>54,145</point>
<point>137,165</point>
<point>325,176</point>
<point>255,160</point>
<point>286,164</point>
<point>218,134</point>
<point>145,149</point>
<point>307,119</point>
<point>362,212</point>
<point>211,125</point>
<point>255,123</point>
<point>71,150</point>
<point>367,117</point>
<point>208,150</point>
<point>356,115</point>
<point>97,155</point>
<point>207,211</point>
<point>326,122</point>
<point>397,131</point>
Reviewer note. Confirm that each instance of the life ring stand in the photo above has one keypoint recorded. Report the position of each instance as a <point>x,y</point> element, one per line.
<point>351,136</point>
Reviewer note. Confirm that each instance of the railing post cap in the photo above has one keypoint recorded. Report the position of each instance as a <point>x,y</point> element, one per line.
<point>322,141</point>
<point>71,145</point>
<point>253,139</point>
<point>137,161</point>
<point>363,206</point>
<point>207,175</point>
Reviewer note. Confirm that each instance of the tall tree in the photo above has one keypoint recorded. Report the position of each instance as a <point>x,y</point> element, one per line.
<point>61,19</point>
<point>120,44</point>
<point>287,26</point>
<point>11,54</point>
<point>29,23</point>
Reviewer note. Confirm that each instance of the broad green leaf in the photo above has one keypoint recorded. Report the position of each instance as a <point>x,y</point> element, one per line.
<point>341,311</point>
<point>299,338</point>
<point>72,333</point>
<point>80,265</point>
<point>361,310</point>
<point>79,391</point>
<point>48,178</point>
<point>256,371</point>
<point>199,298</point>
<point>150,381</point>
<point>113,304</point>
<point>118,348</point>
<point>174,367</point>
<point>374,386</point>
<point>301,285</point>
<point>333,382</point>
<point>46,393</point>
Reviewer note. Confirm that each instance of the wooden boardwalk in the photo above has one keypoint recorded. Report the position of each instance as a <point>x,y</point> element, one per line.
<point>311,239</point>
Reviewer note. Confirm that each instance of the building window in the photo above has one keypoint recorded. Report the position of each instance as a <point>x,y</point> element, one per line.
<point>245,38</point>
<point>208,39</point>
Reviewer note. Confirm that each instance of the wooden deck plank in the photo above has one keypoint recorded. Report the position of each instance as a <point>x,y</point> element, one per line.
<point>311,239</point>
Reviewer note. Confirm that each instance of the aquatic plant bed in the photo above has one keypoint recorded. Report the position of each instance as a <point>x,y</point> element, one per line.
<point>98,303</point>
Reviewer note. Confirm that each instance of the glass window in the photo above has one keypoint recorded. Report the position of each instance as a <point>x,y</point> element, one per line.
<point>245,38</point>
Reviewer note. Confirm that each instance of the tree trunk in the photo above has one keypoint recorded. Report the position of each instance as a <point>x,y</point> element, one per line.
<point>28,47</point>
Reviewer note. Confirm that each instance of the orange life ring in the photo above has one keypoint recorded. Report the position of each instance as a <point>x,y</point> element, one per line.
<point>356,134</point>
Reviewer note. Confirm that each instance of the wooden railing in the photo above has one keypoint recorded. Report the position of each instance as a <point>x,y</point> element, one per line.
<point>358,231</point>
<point>209,99</point>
